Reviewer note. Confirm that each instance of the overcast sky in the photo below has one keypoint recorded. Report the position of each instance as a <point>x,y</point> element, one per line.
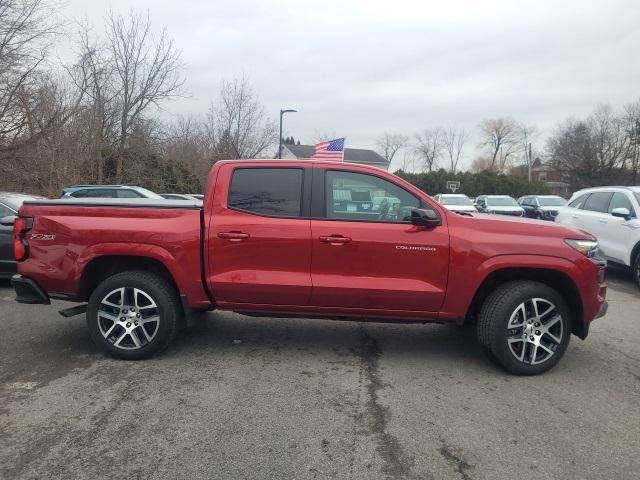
<point>361,68</point>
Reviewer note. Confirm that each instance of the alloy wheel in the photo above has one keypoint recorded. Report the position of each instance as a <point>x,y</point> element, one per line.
<point>128,318</point>
<point>534,331</point>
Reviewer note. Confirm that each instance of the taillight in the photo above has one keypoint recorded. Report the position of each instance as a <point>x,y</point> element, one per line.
<point>20,246</point>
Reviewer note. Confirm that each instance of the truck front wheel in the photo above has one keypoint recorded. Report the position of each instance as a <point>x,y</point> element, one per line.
<point>525,326</point>
<point>133,315</point>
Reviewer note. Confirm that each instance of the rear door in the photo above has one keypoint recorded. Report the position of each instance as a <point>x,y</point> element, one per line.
<point>594,216</point>
<point>259,237</point>
<point>369,258</point>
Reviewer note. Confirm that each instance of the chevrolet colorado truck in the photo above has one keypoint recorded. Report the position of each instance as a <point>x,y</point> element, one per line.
<point>309,239</point>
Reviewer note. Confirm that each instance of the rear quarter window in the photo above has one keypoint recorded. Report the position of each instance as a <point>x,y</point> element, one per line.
<point>579,201</point>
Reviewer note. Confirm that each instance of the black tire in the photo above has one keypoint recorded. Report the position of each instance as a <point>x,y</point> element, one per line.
<point>635,268</point>
<point>494,333</point>
<point>161,301</point>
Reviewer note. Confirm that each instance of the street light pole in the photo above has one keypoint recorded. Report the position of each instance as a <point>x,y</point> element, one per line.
<point>282,112</point>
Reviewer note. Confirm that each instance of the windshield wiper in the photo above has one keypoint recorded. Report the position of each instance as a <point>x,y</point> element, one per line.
<point>466,214</point>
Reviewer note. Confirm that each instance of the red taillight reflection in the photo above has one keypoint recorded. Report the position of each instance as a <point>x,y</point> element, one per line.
<point>20,246</point>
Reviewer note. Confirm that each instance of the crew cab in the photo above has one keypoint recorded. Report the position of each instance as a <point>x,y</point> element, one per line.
<point>302,238</point>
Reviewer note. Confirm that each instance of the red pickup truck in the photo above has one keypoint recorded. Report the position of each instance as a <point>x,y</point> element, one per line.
<point>310,239</point>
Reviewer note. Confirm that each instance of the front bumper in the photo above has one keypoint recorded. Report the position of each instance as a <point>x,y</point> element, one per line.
<point>28,291</point>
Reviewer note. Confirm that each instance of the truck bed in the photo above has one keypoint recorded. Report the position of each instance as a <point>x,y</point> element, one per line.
<point>68,234</point>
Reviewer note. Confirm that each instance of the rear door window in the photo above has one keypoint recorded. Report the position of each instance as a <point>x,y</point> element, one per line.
<point>598,202</point>
<point>274,192</point>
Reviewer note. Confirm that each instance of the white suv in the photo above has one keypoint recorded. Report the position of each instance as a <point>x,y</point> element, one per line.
<point>611,214</point>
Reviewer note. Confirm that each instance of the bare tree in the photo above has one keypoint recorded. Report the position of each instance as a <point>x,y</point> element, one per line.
<point>147,70</point>
<point>27,28</point>
<point>428,147</point>
<point>527,134</point>
<point>631,119</point>
<point>500,136</point>
<point>389,143</point>
<point>454,139</point>
<point>324,135</point>
<point>238,123</point>
<point>93,76</point>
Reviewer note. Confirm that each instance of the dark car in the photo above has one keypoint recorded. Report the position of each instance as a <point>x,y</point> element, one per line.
<point>542,207</point>
<point>10,203</point>
<point>499,204</point>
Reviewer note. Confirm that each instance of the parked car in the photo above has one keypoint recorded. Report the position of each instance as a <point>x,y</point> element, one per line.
<point>108,191</point>
<point>175,196</point>
<point>456,202</point>
<point>542,207</point>
<point>10,203</point>
<point>281,237</point>
<point>611,215</point>
<point>500,204</point>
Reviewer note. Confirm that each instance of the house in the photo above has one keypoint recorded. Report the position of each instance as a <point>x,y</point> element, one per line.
<point>556,181</point>
<point>351,155</point>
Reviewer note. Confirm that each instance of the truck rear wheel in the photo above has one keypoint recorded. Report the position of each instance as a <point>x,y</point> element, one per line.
<point>133,315</point>
<point>525,326</point>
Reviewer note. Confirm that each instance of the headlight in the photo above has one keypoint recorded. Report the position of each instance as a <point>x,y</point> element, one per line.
<point>588,248</point>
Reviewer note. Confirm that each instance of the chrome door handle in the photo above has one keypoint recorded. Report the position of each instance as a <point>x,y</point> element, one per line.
<point>335,239</point>
<point>574,216</point>
<point>233,236</point>
<point>603,220</point>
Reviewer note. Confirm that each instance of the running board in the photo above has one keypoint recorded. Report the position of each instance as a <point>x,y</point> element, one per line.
<point>73,311</point>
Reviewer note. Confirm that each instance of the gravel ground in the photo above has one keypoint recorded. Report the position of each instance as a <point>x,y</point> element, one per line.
<point>238,397</point>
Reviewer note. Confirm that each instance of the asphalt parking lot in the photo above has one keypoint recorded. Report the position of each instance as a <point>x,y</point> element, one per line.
<point>238,397</point>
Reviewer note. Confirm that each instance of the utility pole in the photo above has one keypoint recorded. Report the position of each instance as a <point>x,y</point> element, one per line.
<point>529,161</point>
<point>282,112</point>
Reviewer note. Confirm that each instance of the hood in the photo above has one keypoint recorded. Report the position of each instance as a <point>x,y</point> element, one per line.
<point>461,208</point>
<point>506,209</point>
<point>523,226</point>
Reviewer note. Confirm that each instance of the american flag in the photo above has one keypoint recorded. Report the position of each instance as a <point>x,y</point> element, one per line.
<point>330,150</point>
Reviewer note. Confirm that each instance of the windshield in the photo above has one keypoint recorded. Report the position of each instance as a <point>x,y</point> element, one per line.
<point>502,202</point>
<point>552,201</point>
<point>461,200</point>
<point>15,201</point>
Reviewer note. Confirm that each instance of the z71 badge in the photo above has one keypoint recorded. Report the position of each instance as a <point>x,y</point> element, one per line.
<point>42,236</point>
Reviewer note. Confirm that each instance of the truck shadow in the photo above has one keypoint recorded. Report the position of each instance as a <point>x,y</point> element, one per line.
<point>227,333</point>
<point>621,278</point>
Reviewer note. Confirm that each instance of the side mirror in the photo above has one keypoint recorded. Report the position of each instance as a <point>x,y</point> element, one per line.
<point>621,212</point>
<point>422,217</point>
<point>8,221</point>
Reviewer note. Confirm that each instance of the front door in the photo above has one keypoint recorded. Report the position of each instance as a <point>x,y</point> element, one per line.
<point>259,237</point>
<point>365,252</point>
